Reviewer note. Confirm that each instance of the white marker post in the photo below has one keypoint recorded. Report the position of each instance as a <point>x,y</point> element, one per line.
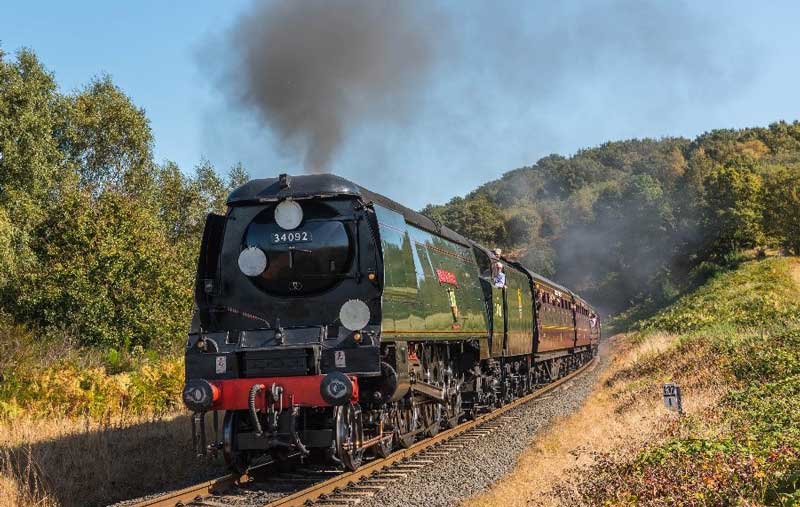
<point>672,397</point>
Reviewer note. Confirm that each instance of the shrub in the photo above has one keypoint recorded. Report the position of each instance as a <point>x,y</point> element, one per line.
<point>73,387</point>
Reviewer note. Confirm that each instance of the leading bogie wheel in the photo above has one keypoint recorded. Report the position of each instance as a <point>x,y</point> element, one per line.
<point>349,435</point>
<point>235,421</point>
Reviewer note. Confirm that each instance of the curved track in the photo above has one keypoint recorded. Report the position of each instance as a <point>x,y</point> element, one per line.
<point>350,487</point>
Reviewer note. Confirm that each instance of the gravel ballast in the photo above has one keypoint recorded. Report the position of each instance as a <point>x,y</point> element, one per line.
<point>476,467</point>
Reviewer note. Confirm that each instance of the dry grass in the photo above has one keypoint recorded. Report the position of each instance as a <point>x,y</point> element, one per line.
<point>64,463</point>
<point>618,416</point>
<point>72,429</point>
<point>20,483</point>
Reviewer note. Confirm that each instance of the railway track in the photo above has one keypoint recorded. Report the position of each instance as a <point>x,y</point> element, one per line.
<point>349,488</point>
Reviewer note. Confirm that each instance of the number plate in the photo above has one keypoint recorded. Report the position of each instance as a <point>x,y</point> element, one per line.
<point>290,237</point>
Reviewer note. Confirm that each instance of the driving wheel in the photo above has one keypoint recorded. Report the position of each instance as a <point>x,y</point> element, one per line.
<point>406,424</point>
<point>384,448</point>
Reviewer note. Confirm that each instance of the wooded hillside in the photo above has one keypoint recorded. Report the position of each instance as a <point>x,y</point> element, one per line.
<point>636,221</point>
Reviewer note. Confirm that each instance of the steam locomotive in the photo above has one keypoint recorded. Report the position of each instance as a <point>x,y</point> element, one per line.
<point>331,321</point>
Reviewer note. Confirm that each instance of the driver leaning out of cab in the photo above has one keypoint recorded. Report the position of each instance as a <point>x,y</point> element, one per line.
<point>499,278</point>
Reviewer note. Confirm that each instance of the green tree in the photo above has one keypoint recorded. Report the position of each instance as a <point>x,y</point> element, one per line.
<point>237,176</point>
<point>212,188</point>
<point>106,136</point>
<point>30,160</point>
<point>476,218</point>
<point>622,253</point>
<point>782,207</point>
<point>30,112</point>
<point>6,251</point>
<point>523,226</point>
<point>733,209</point>
<point>109,274</point>
<point>184,201</point>
<point>95,238</point>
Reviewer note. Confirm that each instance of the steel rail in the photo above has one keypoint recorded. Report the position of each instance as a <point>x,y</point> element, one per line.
<point>308,495</point>
<point>191,494</point>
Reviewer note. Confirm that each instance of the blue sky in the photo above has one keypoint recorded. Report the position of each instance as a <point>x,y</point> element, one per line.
<point>516,82</point>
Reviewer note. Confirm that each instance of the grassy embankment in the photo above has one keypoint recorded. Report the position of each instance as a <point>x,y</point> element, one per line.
<point>734,347</point>
<point>80,427</point>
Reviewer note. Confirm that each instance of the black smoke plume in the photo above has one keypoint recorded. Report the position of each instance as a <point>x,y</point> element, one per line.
<point>314,69</point>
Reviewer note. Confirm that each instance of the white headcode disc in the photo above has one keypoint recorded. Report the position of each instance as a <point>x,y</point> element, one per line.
<point>354,314</point>
<point>252,261</point>
<point>288,215</point>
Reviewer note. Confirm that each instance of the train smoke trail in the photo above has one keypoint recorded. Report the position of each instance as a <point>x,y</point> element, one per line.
<point>314,69</point>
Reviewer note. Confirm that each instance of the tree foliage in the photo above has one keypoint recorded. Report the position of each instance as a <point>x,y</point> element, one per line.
<point>106,136</point>
<point>782,207</point>
<point>732,210</point>
<point>96,239</point>
<point>630,221</point>
<point>478,218</point>
<point>108,273</point>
